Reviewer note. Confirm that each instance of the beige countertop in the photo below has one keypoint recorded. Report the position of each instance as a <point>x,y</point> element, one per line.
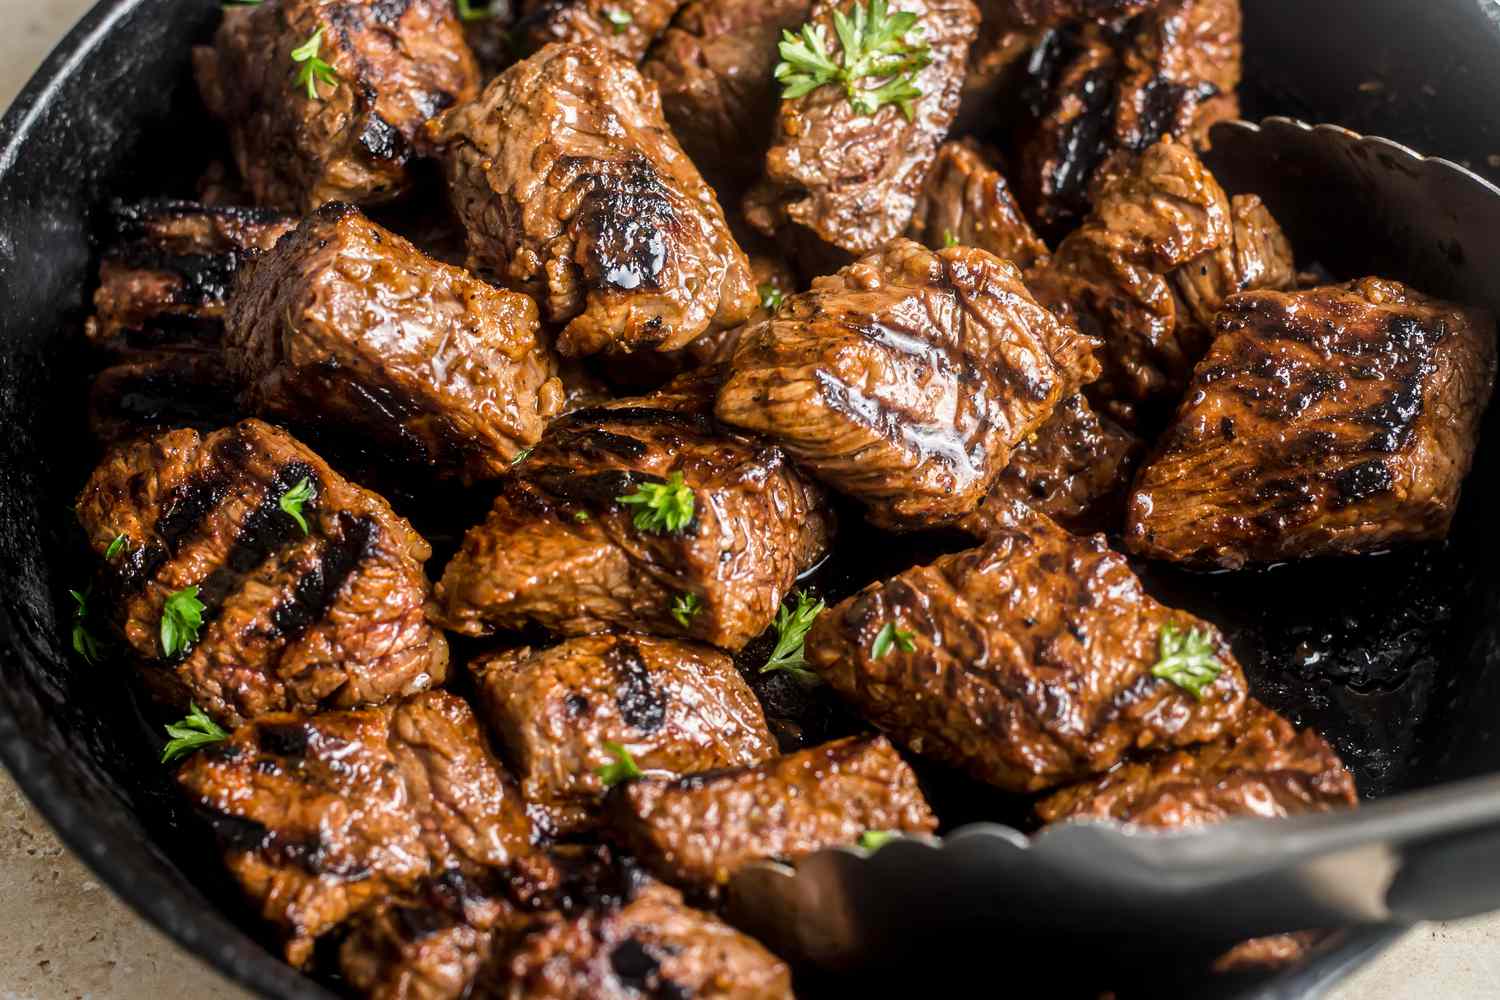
<point>66,936</point>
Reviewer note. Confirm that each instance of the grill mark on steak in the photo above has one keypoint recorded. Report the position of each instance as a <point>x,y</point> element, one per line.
<point>288,739</point>
<point>642,705</point>
<point>626,216</point>
<point>641,416</point>
<point>314,591</point>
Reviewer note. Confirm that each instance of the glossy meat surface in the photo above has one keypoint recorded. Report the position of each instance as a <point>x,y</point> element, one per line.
<point>906,379</point>
<point>1098,88</point>
<point>323,817</point>
<point>675,706</point>
<point>626,27</point>
<point>1334,420</point>
<point>696,830</point>
<point>967,202</point>
<point>1031,660</point>
<point>573,190</point>
<point>348,328</point>
<point>560,550</point>
<point>395,65</point>
<point>1152,264</point>
<point>330,618</point>
<point>714,69</point>
<point>1263,767</point>
<point>852,180</point>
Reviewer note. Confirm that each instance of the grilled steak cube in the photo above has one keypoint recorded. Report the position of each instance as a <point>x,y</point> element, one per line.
<point>649,945</point>
<point>1056,12</point>
<point>1263,767</point>
<point>1145,274</point>
<point>329,617</point>
<point>1099,88</point>
<point>626,27</point>
<point>851,179</point>
<point>675,707</point>
<point>572,189</point>
<point>156,391</point>
<point>714,67</point>
<point>323,817</point>
<point>1335,420</point>
<point>390,68</point>
<point>696,830</point>
<point>906,379</point>
<point>967,202</point>
<point>347,326</point>
<point>1076,469</point>
<point>1028,662</point>
<point>560,549</point>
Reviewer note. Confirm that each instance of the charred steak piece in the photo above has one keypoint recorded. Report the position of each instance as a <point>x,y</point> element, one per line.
<point>851,178</point>
<point>714,69</point>
<point>696,830</point>
<point>329,617</point>
<point>389,68</point>
<point>1098,88</point>
<point>154,391</point>
<point>573,190</point>
<point>906,379</point>
<point>1145,274</point>
<point>672,705</point>
<point>719,528</point>
<point>1334,420</point>
<point>1263,767</point>
<point>1076,469</point>
<point>967,202</point>
<point>325,816</point>
<point>1031,661</point>
<point>646,945</point>
<point>1055,12</point>
<point>347,325</point>
<point>626,27</point>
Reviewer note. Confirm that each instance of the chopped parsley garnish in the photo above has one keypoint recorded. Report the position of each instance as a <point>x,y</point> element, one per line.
<point>293,499</point>
<point>623,769</point>
<point>84,643</point>
<point>580,516</point>
<point>621,19</point>
<point>791,632</point>
<point>115,547</point>
<point>950,239</point>
<point>194,731</point>
<point>770,297</point>
<point>468,12</point>
<point>312,70</point>
<point>684,607</point>
<point>874,840</point>
<point>181,617</point>
<point>876,44</point>
<point>521,456</point>
<point>888,636</point>
<point>1186,659</point>
<point>662,507</point>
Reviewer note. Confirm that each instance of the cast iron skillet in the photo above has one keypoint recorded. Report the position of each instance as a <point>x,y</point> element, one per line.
<point>1407,677</point>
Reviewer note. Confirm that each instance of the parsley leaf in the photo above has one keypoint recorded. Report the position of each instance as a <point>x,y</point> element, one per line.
<point>949,238</point>
<point>792,625</point>
<point>194,731</point>
<point>580,516</point>
<point>521,456</point>
<point>115,547</point>
<point>1186,659</point>
<point>621,19</point>
<point>663,507</point>
<point>770,297</point>
<point>874,840</point>
<point>293,499</point>
<point>181,617</point>
<point>876,44</point>
<point>468,12</point>
<point>313,70</point>
<point>685,607</point>
<point>888,636</point>
<point>84,643</point>
<point>623,769</point>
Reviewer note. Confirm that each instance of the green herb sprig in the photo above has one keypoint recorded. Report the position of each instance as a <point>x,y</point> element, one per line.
<point>116,547</point>
<point>181,618</point>
<point>1187,659</point>
<point>192,732</point>
<point>623,769</point>
<point>662,507</point>
<point>685,608</point>
<point>312,69</point>
<point>792,625</point>
<point>467,11</point>
<point>876,44</point>
<point>619,19</point>
<point>293,499</point>
<point>84,643</point>
<point>874,840</point>
<point>771,297</point>
<point>888,636</point>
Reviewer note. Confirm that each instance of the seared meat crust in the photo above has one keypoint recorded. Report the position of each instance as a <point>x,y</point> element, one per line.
<point>1334,420</point>
<point>328,619</point>
<point>1055,12</point>
<point>696,830</point>
<point>906,379</point>
<point>323,817</point>
<point>967,202</point>
<point>852,180</point>
<point>154,391</point>
<point>1263,767</point>
<point>397,64</point>
<point>1145,274</point>
<point>573,190</point>
<point>347,325</point>
<point>1032,660</point>
<point>675,706</point>
<point>626,27</point>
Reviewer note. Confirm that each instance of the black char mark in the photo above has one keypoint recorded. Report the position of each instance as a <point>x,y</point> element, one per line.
<point>313,594</point>
<point>641,704</point>
<point>626,216</point>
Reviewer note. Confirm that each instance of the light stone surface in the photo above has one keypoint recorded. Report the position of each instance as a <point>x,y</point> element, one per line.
<point>65,936</point>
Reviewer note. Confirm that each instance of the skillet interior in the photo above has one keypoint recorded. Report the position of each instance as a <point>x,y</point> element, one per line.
<point>1396,658</point>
